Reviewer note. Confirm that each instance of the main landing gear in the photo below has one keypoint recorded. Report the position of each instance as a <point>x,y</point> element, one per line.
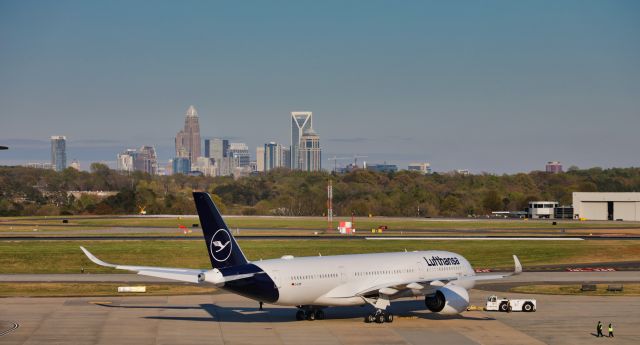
<point>309,313</point>
<point>380,316</point>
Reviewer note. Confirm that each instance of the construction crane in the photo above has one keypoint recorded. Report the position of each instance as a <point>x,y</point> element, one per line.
<point>335,162</point>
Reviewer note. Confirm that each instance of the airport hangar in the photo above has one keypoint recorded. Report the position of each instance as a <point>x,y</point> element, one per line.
<point>606,206</point>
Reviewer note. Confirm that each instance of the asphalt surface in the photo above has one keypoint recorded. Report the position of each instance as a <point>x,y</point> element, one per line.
<point>230,319</point>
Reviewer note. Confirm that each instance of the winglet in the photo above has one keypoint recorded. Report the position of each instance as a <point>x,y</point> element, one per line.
<point>96,260</point>
<point>518,265</point>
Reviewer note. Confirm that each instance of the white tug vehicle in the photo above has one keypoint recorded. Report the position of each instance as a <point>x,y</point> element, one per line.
<point>495,303</point>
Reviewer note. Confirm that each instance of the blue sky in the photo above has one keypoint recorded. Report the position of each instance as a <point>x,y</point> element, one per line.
<point>497,86</point>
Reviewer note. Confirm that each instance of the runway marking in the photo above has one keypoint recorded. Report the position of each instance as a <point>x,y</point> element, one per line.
<point>479,238</point>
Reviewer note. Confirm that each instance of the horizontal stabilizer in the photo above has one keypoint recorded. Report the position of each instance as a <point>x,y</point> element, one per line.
<point>183,277</point>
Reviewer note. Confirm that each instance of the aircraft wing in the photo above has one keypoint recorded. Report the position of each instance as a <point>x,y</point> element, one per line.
<point>180,274</point>
<point>391,288</point>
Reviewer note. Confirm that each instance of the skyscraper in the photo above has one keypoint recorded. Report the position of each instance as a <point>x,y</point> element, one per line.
<point>272,156</point>
<point>216,148</point>
<point>300,121</point>
<point>59,152</point>
<point>310,153</point>
<point>189,137</point>
<point>240,153</point>
<point>285,157</point>
<point>125,160</point>
<point>181,165</point>
<point>260,158</point>
<point>146,160</point>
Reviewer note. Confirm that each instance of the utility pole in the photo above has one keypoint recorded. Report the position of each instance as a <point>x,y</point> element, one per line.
<point>330,206</point>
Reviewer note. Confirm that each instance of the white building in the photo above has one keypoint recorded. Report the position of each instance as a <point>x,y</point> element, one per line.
<point>542,209</point>
<point>423,168</point>
<point>300,121</point>
<point>125,160</point>
<point>606,206</point>
<point>309,152</point>
<point>260,158</point>
<point>207,166</point>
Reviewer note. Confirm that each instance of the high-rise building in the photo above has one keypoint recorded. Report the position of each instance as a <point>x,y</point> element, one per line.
<point>181,165</point>
<point>146,160</point>
<point>273,156</point>
<point>59,152</point>
<point>554,167</point>
<point>205,165</point>
<point>300,121</point>
<point>216,148</point>
<point>239,151</point>
<point>207,148</point>
<point>143,159</point>
<point>260,158</point>
<point>310,153</point>
<point>285,157</point>
<point>188,138</point>
<point>125,160</point>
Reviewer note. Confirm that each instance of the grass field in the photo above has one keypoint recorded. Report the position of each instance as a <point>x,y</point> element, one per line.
<point>95,289</point>
<point>66,256</point>
<point>601,290</point>
<point>319,223</point>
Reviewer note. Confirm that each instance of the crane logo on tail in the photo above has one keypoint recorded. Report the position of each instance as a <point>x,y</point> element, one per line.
<point>221,245</point>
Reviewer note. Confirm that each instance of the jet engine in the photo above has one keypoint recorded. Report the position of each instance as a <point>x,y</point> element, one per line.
<point>448,300</point>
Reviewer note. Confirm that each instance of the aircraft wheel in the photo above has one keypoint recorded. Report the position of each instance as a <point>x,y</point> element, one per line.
<point>319,314</point>
<point>311,316</point>
<point>380,318</point>
<point>300,315</point>
<point>369,318</point>
<point>388,317</point>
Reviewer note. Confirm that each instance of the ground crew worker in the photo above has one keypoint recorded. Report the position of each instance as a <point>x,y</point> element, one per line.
<point>610,331</point>
<point>599,329</point>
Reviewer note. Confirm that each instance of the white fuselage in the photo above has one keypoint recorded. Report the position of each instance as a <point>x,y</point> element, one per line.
<point>341,280</point>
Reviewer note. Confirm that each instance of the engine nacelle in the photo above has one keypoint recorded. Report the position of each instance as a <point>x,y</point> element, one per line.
<point>213,276</point>
<point>448,300</point>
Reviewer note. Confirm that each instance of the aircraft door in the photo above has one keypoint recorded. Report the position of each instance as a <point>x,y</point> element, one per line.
<point>275,275</point>
<point>343,274</point>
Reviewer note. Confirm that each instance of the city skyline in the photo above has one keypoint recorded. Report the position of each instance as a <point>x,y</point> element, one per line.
<point>499,87</point>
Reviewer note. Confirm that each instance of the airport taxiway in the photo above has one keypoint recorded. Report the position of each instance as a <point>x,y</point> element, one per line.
<point>224,318</point>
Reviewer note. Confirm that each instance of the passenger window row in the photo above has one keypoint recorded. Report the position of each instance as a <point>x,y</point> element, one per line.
<point>315,276</point>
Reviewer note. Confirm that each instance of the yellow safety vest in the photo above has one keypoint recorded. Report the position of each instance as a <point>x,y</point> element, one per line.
<point>610,329</point>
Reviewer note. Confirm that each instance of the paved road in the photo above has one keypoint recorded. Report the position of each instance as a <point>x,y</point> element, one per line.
<point>526,277</point>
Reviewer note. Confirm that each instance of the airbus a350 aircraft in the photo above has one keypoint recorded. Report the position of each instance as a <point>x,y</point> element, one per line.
<point>313,283</point>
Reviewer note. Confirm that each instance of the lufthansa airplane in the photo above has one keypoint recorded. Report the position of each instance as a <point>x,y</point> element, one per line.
<point>314,283</point>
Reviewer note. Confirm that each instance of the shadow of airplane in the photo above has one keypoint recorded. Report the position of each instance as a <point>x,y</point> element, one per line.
<point>244,314</point>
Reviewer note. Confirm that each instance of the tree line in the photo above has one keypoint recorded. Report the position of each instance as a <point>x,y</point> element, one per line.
<point>29,191</point>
